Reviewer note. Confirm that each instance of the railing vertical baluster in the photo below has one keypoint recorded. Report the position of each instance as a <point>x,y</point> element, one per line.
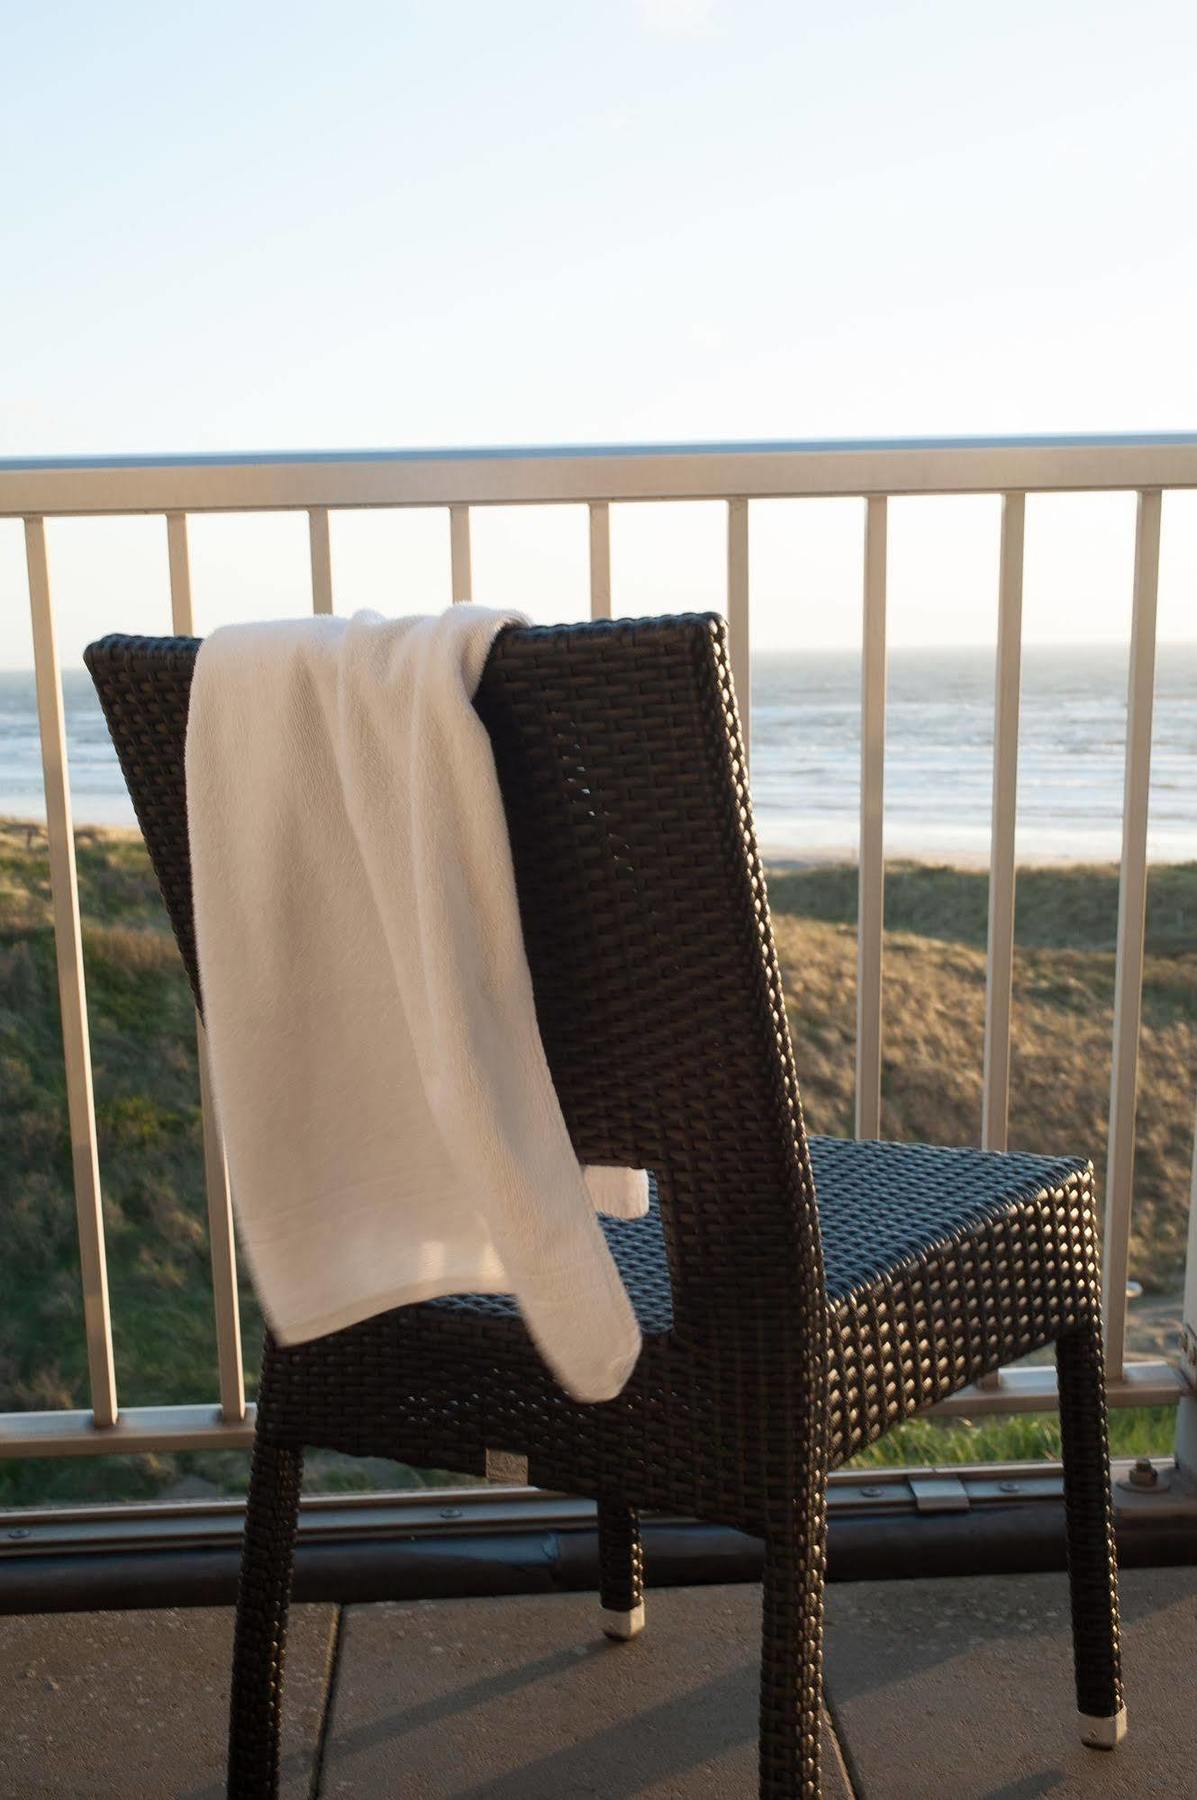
<point>459,552</point>
<point>68,946</point>
<point>178,556</point>
<point>600,559</point>
<point>738,622</point>
<point>871,903</point>
<point>321,553</point>
<point>1132,918</point>
<point>222,1247</point>
<point>995,1101</point>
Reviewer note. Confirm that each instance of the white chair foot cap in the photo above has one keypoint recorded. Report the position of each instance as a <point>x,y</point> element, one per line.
<point>623,1625</point>
<point>1103,1734</point>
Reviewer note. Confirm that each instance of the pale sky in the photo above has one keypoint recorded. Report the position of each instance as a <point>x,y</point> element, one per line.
<point>232,227</point>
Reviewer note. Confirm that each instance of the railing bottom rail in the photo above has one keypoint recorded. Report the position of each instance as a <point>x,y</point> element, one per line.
<point>141,1429</point>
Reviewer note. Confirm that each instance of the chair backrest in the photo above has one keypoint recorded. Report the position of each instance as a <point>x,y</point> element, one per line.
<point>623,774</point>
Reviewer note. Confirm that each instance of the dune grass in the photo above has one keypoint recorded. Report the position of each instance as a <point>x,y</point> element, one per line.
<point>143,1045</point>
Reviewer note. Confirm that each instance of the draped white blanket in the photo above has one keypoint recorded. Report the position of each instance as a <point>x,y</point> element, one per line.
<point>392,1129</point>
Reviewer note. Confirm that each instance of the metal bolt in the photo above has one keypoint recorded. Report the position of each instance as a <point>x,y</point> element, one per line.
<point>1009,1487</point>
<point>19,1531</point>
<point>452,1512</point>
<point>1144,1474</point>
<point>872,1493</point>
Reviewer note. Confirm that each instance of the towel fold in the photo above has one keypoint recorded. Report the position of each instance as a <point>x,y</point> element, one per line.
<point>391,1125</point>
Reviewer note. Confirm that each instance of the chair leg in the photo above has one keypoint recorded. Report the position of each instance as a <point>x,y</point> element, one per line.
<point>792,1664</point>
<point>621,1570</point>
<point>260,1641</point>
<point>1092,1562</point>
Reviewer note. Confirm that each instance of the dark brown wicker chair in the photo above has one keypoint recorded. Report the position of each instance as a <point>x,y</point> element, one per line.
<point>778,1340</point>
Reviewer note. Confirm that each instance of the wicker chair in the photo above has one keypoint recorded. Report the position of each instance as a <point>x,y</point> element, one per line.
<point>779,1339</point>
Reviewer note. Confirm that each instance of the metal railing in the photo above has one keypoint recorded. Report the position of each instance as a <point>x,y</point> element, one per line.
<point>734,474</point>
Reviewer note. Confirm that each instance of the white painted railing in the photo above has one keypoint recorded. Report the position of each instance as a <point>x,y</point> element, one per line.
<point>175,487</point>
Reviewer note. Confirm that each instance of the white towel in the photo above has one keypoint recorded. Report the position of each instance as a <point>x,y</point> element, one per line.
<point>392,1129</point>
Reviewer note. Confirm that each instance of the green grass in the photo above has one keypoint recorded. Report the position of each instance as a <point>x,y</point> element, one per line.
<point>143,1044</point>
<point>1021,1437</point>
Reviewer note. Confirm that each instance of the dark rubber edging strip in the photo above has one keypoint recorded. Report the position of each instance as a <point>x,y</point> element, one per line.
<point>1018,1539</point>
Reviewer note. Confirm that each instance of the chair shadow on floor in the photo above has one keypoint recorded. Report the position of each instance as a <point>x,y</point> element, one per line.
<point>655,1744</point>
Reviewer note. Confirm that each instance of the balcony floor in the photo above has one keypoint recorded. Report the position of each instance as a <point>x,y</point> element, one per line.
<point>959,1689</point>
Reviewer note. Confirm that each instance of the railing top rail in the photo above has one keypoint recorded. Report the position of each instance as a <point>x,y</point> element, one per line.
<point>563,452</point>
<point>530,474</point>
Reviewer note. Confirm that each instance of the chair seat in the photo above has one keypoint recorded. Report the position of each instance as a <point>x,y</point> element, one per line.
<point>940,1264</point>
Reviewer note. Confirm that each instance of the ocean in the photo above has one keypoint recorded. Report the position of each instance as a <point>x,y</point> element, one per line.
<point>806,754</point>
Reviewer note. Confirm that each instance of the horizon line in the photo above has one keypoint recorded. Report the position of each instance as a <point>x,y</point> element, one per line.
<point>1062,644</point>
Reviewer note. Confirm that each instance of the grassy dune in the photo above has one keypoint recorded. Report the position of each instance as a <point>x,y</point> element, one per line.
<point>934,1013</point>
<point>143,1047</point>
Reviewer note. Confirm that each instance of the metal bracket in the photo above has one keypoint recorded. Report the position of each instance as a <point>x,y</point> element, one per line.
<point>939,1493</point>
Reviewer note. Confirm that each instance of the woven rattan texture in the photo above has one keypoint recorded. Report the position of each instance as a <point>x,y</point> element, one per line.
<point>658,996</point>
<point>621,1557</point>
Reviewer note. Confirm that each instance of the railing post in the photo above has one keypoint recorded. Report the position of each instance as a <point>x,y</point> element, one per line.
<point>459,553</point>
<point>320,546</point>
<point>999,965</point>
<point>68,949</point>
<point>600,559</point>
<point>870,912</point>
<point>222,1248</point>
<point>739,630</point>
<point>178,556</point>
<point>1132,918</point>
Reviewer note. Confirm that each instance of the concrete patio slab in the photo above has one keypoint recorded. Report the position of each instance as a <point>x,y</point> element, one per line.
<point>524,1699</point>
<point>962,1690</point>
<point>135,1704</point>
<point>940,1690</point>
